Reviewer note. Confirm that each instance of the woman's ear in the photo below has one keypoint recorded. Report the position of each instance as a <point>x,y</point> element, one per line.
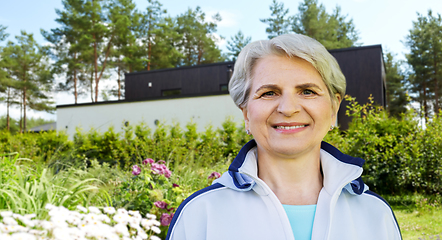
<point>339,99</point>
<point>336,104</point>
<point>246,117</point>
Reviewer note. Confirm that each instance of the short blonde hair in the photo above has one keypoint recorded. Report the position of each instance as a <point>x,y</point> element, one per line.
<point>291,45</point>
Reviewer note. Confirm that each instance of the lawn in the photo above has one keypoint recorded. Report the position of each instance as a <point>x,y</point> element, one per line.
<point>419,223</point>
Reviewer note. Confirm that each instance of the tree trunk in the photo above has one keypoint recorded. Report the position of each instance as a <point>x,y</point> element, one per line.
<point>21,118</point>
<point>96,68</point>
<point>75,78</point>
<point>149,44</point>
<point>436,87</point>
<point>24,109</point>
<point>425,100</point>
<point>200,54</point>
<point>92,86</point>
<point>149,55</point>
<point>119,83</point>
<point>24,100</point>
<point>7,109</point>
<point>97,78</point>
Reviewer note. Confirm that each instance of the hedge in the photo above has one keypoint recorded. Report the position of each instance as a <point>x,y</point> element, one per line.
<point>401,155</point>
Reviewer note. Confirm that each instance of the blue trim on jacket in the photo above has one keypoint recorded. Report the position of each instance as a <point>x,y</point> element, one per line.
<point>184,203</point>
<point>376,195</point>
<point>342,157</point>
<point>241,181</point>
<point>240,158</point>
<point>357,186</point>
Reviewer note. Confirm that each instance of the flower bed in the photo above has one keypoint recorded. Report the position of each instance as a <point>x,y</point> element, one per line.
<point>86,223</point>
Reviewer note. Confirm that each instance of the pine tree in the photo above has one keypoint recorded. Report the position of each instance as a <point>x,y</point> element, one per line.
<point>331,30</point>
<point>8,87</point>
<point>70,48</point>
<point>30,74</point>
<point>279,22</point>
<point>8,94</point>
<point>127,53</point>
<point>197,42</point>
<point>236,44</point>
<point>3,34</point>
<point>161,38</point>
<point>151,27</point>
<point>425,58</point>
<point>91,29</point>
<point>100,33</point>
<point>397,97</point>
<point>345,34</point>
<point>165,52</point>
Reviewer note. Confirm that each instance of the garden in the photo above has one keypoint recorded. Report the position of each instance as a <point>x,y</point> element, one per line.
<point>127,184</point>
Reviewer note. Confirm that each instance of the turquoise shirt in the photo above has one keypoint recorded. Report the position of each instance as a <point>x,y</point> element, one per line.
<point>301,219</point>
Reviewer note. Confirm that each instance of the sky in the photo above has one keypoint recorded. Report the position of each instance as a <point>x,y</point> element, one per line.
<point>384,22</point>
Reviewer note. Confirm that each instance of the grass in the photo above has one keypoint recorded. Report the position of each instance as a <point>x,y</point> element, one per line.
<point>419,216</point>
<point>418,223</point>
<point>26,189</point>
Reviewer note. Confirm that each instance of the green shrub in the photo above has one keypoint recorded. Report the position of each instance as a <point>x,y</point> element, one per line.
<point>400,156</point>
<point>428,170</point>
<point>40,147</point>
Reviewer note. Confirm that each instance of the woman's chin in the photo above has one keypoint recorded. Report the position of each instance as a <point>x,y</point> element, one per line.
<point>290,149</point>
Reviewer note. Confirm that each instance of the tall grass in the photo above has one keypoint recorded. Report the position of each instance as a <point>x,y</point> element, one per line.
<point>24,189</point>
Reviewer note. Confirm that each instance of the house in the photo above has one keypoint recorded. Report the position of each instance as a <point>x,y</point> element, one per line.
<point>199,94</point>
<point>44,128</point>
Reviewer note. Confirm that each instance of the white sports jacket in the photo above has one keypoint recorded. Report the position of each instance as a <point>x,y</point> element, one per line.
<point>239,205</point>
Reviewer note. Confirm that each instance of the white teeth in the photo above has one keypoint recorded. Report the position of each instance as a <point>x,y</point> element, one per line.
<point>290,127</point>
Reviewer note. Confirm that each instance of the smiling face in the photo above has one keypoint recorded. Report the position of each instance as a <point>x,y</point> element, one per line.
<point>289,110</point>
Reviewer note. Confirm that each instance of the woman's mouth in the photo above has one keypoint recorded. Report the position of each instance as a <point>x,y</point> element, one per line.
<point>289,127</point>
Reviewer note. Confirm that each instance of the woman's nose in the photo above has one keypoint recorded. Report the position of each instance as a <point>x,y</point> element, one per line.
<point>288,105</point>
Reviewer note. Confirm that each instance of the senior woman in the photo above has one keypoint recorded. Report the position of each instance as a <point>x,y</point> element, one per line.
<point>287,183</point>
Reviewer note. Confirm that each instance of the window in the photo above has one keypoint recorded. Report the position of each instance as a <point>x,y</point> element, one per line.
<point>170,92</point>
<point>224,87</point>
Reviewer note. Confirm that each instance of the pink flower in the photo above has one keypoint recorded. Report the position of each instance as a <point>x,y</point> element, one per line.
<point>156,168</point>
<point>214,175</point>
<point>162,162</point>
<point>136,170</point>
<point>148,161</point>
<point>161,169</point>
<point>166,218</point>
<point>175,185</point>
<point>160,204</point>
<point>167,173</point>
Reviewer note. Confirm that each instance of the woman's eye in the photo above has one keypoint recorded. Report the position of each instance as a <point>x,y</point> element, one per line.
<point>308,92</point>
<point>268,94</point>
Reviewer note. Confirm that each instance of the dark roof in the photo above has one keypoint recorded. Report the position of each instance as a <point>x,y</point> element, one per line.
<point>355,48</point>
<point>44,128</point>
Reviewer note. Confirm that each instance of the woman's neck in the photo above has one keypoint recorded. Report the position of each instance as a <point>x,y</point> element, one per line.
<point>295,181</point>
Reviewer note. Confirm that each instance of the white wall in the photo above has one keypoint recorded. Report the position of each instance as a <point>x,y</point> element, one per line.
<point>203,110</point>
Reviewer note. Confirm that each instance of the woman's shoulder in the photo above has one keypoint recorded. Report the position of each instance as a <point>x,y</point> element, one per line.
<point>209,208</point>
<point>373,199</point>
<point>364,213</point>
<point>204,194</point>
<point>367,200</point>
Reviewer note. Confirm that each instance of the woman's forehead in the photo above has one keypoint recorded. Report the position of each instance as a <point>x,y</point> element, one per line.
<point>276,68</point>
